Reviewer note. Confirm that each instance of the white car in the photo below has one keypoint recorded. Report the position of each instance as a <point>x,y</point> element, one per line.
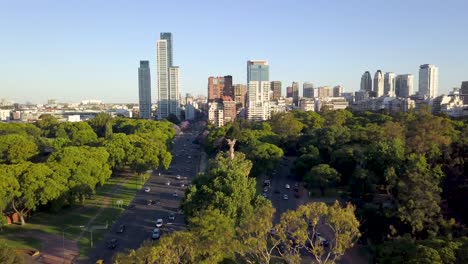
<point>285,197</point>
<point>147,189</point>
<point>178,177</point>
<point>159,222</point>
<point>287,186</point>
<point>168,183</point>
<point>156,233</point>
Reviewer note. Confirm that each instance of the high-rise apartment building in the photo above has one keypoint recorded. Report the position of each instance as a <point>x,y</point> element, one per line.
<point>366,82</point>
<point>228,88</point>
<point>464,92</point>
<point>295,93</point>
<point>258,90</point>
<point>144,89</point>
<point>337,91</point>
<point>389,83</point>
<point>289,92</point>
<point>378,84</point>
<point>428,80</point>
<point>168,79</point>
<point>325,91</point>
<point>215,88</point>
<point>404,85</point>
<point>229,109</point>
<point>308,90</point>
<point>168,37</point>
<point>240,95</point>
<point>174,95</point>
<point>276,88</point>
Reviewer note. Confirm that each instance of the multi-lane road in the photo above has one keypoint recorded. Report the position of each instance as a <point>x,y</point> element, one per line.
<point>166,189</point>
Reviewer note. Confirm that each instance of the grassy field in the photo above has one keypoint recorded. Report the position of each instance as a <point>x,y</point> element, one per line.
<point>110,214</point>
<point>68,219</point>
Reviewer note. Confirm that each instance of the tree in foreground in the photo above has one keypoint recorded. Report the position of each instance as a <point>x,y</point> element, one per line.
<point>299,230</point>
<point>254,234</point>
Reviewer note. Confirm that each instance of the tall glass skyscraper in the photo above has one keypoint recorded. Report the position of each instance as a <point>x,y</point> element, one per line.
<point>258,70</point>
<point>167,36</point>
<point>144,89</point>
<point>366,82</point>
<point>168,79</point>
<point>258,90</point>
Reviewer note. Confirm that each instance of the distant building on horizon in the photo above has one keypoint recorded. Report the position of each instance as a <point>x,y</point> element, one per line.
<point>404,85</point>
<point>275,87</point>
<point>144,89</point>
<point>289,92</point>
<point>428,80</point>
<point>366,82</point>
<point>240,95</point>
<point>378,84</point>
<point>258,90</point>
<point>168,79</point>
<point>295,93</point>
<point>215,88</point>
<point>337,91</point>
<point>307,90</point>
<point>389,83</point>
<point>464,92</point>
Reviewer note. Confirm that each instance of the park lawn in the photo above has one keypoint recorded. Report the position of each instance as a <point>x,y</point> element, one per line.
<point>109,215</point>
<point>69,218</point>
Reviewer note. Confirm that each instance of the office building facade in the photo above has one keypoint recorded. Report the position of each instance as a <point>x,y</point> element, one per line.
<point>378,84</point>
<point>240,95</point>
<point>428,80</point>
<point>389,84</point>
<point>337,91</point>
<point>404,85</point>
<point>276,89</point>
<point>168,79</point>
<point>366,82</point>
<point>295,93</point>
<point>308,90</point>
<point>144,89</point>
<point>258,90</point>
<point>215,88</point>
<point>464,92</point>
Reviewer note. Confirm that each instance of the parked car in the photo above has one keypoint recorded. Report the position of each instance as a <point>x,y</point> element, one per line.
<point>178,177</point>
<point>266,183</point>
<point>287,186</point>
<point>285,197</point>
<point>168,183</point>
<point>265,189</point>
<point>112,244</point>
<point>149,202</point>
<point>159,222</point>
<point>121,229</point>
<point>175,194</point>
<point>147,189</point>
<point>156,233</point>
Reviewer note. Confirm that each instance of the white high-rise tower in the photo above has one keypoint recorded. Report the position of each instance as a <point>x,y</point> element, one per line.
<point>378,84</point>
<point>428,80</point>
<point>258,90</point>
<point>168,79</point>
<point>389,84</point>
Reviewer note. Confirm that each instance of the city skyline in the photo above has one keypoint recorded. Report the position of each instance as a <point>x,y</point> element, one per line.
<point>68,64</point>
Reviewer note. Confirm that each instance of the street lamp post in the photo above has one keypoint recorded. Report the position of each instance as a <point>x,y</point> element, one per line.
<point>63,240</point>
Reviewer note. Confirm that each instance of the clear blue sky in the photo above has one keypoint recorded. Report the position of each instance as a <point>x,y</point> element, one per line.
<point>86,49</point>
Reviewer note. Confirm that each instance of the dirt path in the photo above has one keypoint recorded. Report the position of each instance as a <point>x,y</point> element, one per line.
<point>54,249</point>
